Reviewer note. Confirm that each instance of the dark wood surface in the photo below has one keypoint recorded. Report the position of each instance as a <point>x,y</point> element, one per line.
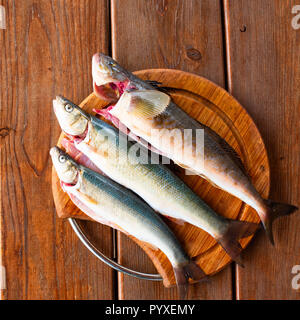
<point>248,47</point>
<point>264,75</point>
<point>45,50</point>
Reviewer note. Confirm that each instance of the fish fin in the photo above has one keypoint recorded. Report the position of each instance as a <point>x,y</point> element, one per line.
<point>93,150</point>
<point>154,83</point>
<point>174,167</point>
<point>177,221</point>
<point>182,165</point>
<point>157,86</point>
<point>230,240</point>
<point>94,215</point>
<point>196,173</point>
<point>186,168</point>
<point>228,149</point>
<point>88,199</point>
<point>182,275</point>
<point>102,112</point>
<point>84,208</point>
<point>145,104</point>
<point>275,210</point>
<point>212,183</point>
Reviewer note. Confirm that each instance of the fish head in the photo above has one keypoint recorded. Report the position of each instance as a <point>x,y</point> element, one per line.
<point>109,77</point>
<point>72,119</point>
<point>67,169</point>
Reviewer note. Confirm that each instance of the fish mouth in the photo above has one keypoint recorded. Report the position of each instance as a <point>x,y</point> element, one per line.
<point>78,138</point>
<point>55,104</point>
<point>107,87</point>
<point>110,91</point>
<point>109,82</point>
<point>69,186</point>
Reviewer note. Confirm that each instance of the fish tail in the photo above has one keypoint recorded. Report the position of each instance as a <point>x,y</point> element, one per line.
<point>230,240</point>
<point>182,275</point>
<point>274,211</point>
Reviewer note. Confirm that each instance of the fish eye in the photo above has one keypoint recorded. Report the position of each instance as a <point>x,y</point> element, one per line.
<point>62,158</point>
<point>69,108</point>
<point>111,63</point>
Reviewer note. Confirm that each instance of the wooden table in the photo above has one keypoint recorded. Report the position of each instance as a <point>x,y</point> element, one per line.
<point>249,47</point>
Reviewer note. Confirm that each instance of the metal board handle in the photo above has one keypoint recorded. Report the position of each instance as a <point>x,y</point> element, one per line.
<point>140,275</point>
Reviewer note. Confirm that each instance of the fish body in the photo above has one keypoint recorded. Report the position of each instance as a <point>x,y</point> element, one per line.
<point>110,203</point>
<point>220,165</point>
<point>111,152</point>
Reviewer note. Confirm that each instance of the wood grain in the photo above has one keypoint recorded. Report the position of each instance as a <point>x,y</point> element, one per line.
<point>46,49</point>
<point>214,107</point>
<point>181,34</point>
<point>264,73</point>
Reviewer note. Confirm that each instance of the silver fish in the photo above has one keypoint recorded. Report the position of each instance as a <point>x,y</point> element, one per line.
<point>141,107</point>
<point>110,151</point>
<point>109,203</point>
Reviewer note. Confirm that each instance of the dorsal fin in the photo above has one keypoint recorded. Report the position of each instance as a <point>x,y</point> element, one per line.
<point>157,85</point>
<point>154,83</point>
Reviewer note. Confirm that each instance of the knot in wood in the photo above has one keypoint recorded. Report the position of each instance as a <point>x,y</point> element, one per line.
<point>193,54</point>
<point>4,132</point>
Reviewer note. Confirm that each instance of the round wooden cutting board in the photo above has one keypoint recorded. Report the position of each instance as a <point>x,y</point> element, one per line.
<point>217,109</point>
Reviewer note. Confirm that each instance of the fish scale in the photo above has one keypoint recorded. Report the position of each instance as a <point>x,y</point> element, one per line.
<point>166,193</point>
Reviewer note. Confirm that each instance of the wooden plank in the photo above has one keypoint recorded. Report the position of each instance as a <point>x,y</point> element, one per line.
<point>264,72</point>
<point>46,49</point>
<point>178,34</point>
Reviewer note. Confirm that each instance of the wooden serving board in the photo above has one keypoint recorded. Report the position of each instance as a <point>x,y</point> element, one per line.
<point>216,108</point>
